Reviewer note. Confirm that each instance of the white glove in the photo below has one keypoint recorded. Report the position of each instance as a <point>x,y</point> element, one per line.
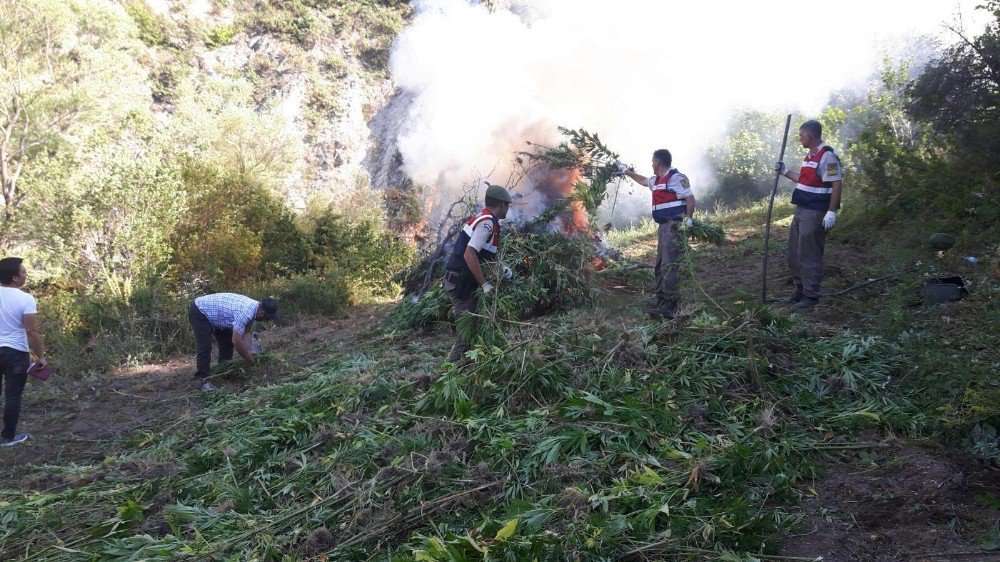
<point>829,220</point>
<point>507,273</point>
<point>487,288</point>
<point>688,223</point>
<point>622,168</point>
<point>780,168</point>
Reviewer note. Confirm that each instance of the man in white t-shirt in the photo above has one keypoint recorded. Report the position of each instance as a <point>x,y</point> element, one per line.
<point>18,335</point>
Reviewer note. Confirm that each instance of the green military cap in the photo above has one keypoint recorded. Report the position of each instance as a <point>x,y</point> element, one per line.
<point>499,193</point>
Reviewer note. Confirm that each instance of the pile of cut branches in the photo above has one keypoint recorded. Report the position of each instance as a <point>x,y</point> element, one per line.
<point>551,273</point>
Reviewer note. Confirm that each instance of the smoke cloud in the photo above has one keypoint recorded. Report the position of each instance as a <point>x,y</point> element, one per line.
<point>642,74</point>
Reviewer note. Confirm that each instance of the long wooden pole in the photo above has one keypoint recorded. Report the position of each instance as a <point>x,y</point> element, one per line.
<point>770,207</point>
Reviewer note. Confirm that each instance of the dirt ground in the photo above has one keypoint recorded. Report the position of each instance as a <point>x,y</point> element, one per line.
<point>905,502</point>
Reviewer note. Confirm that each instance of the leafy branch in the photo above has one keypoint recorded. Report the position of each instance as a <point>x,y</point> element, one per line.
<point>585,152</point>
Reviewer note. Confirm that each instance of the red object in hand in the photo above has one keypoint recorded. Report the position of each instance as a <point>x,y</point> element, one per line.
<point>40,372</point>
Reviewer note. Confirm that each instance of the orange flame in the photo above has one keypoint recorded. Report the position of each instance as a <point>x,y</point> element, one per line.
<point>560,184</point>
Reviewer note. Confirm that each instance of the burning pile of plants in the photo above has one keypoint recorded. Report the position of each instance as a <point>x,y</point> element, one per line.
<point>552,254</point>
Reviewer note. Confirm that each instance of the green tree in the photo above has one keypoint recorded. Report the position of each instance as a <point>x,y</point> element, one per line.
<point>63,64</point>
<point>127,210</point>
<point>235,231</point>
<point>959,92</point>
<point>743,162</point>
<point>215,119</point>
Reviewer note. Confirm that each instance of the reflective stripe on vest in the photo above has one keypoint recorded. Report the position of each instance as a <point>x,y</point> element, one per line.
<point>809,175</point>
<point>492,244</point>
<point>811,191</point>
<point>662,195</point>
<point>457,260</point>
<point>668,205</point>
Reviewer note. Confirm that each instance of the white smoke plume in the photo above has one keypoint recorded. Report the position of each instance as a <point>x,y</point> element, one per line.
<point>642,74</point>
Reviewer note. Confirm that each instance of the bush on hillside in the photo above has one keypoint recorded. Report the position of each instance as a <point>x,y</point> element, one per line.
<point>235,232</point>
<point>119,225</point>
<point>152,28</point>
<point>363,251</point>
<point>905,169</point>
<point>291,20</point>
<point>85,332</point>
<point>314,292</point>
<point>959,92</point>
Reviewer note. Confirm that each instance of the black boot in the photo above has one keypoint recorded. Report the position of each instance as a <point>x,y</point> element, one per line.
<point>807,302</point>
<point>796,296</point>
<point>666,309</point>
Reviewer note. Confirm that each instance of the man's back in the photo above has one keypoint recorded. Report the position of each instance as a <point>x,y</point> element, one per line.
<point>228,310</point>
<point>14,304</point>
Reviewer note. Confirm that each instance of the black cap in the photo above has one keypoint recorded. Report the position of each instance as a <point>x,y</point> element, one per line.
<point>270,308</point>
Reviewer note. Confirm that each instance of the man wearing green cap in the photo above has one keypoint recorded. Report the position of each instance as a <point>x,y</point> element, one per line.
<point>477,244</point>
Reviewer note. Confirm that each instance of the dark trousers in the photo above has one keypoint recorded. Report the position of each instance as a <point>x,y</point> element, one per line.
<point>14,372</point>
<point>462,304</point>
<point>203,334</point>
<point>806,241</point>
<point>669,247</point>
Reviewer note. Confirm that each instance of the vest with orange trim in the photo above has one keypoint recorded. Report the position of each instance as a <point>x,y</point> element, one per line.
<point>666,205</point>
<point>456,262</point>
<point>812,192</point>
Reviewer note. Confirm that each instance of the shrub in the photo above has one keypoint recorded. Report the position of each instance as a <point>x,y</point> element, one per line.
<point>367,253</point>
<point>336,65</point>
<point>314,292</point>
<point>236,231</point>
<point>221,35</point>
<point>86,333</point>
<point>324,99</point>
<point>151,28</point>
<point>123,220</point>
<point>904,169</point>
<point>291,20</point>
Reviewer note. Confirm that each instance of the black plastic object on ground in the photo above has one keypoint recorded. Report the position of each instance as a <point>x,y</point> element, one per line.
<point>941,241</point>
<point>944,289</point>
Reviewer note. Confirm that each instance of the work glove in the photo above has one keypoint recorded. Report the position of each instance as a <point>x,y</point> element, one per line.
<point>780,168</point>
<point>622,168</point>
<point>507,273</point>
<point>829,220</point>
<point>488,288</point>
<point>688,223</point>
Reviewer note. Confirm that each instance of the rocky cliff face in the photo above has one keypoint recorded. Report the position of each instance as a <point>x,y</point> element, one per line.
<point>317,70</point>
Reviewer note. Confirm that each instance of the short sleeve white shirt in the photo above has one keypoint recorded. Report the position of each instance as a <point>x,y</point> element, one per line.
<point>482,234</point>
<point>14,304</point>
<point>829,166</point>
